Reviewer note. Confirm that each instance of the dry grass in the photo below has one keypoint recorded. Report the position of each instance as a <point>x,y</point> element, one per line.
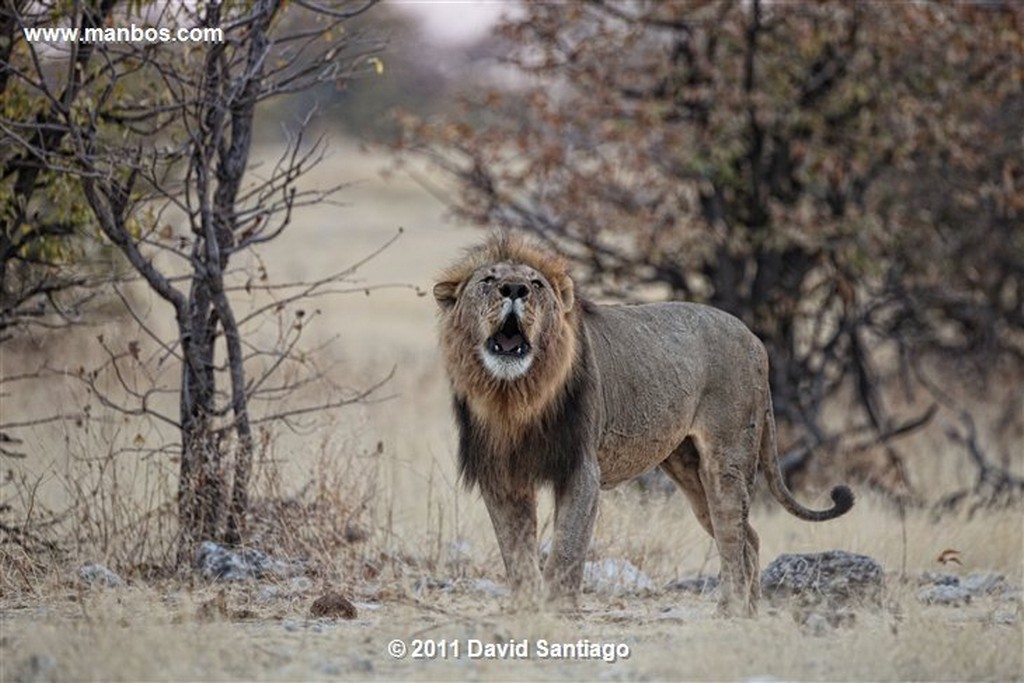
<point>369,500</point>
<point>153,633</point>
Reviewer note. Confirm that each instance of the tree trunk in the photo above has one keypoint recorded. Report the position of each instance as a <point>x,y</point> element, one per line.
<point>201,479</point>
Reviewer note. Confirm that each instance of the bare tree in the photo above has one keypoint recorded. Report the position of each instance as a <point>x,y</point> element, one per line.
<point>159,133</point>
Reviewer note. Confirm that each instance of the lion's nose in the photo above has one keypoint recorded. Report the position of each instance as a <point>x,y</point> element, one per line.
<point>514,290</point>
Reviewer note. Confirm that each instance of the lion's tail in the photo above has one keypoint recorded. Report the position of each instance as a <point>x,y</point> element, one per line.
<point>842,496</point>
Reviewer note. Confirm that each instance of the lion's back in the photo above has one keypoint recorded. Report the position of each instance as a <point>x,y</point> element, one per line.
<point>687,337</point>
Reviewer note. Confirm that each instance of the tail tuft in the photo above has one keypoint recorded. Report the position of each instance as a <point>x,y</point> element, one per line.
<point>842,497</point>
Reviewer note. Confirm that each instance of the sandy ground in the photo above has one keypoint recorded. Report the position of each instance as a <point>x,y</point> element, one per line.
<point>142,634</point>
<point>59,631</point>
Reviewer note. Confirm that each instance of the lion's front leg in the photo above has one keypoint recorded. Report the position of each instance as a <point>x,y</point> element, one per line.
<point>514,516</point>
<point>575,512</point>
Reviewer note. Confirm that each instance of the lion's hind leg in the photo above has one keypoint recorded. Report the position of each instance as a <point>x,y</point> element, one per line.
<point>682,468</point>
<point>727,472</point>
<point>718,479</point>
<point>737,542</point>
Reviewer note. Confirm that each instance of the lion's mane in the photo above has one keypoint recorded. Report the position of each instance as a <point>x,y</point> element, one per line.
<point>506,426</point>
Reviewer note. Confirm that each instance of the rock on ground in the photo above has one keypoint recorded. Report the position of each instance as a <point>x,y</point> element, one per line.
<point>701,585</point>
<point>615,577</point>
<point>953,590</point>
<point>944,595</point>
<point>482,587</point>
<point>96,574</point>
<point>833,577</point>
<point>217,563</point>
<point>333,605</point>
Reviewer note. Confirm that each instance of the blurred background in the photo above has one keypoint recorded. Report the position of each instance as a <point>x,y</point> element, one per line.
<point>847,178</point>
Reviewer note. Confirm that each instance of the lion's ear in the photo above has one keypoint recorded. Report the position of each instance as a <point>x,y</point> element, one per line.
<point>445,293</point>
<point>567,291</point>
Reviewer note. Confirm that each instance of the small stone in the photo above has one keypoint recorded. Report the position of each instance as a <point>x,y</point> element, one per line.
<point>268,593</point>
<point>354,533</point>
<point>96,574</point>
<point>484,587</point>
<point>615,577</point>
<point>982,583</point>
<point>701,585</point>
<point>1006,618</point>
<point>321,627</point>
<point>218,563</point>
<point>333,605</point>
<point>215,562</point>
<point>938,579</point>
<point>367,606</point>
<point>430,583</point>
<point>301,584</point>
<point>944,595</point>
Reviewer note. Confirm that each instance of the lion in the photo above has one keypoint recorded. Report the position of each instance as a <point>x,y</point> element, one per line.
<point>551,390</point>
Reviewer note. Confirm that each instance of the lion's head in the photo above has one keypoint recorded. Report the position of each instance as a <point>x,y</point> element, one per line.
<point>508,327</point>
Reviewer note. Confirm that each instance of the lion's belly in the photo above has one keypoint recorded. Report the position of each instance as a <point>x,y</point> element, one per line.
<point>622,458</point>
<point>635,440</point>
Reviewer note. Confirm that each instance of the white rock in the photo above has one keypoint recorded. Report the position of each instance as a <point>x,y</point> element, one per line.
<point>301,584</point>
<point>268,593</point>
<point>944,595</point>
<point>96,574</point>
<point>218,563</point>
<point>981,583</point>
<point>484,587</point>
<point>615,577</point>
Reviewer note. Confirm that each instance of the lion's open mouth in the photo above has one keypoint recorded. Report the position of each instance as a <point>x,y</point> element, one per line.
<point>509,340</point>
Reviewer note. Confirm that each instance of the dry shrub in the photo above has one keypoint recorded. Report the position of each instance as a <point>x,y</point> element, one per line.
<point>110,498</point>
<point>106,498</point>
<point>326,522</point>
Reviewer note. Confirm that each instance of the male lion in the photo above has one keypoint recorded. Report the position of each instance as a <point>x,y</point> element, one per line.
<point>549,389</point>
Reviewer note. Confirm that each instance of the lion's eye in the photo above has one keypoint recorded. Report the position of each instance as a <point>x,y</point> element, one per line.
<point>487,280</point>
<point>538,284</point>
